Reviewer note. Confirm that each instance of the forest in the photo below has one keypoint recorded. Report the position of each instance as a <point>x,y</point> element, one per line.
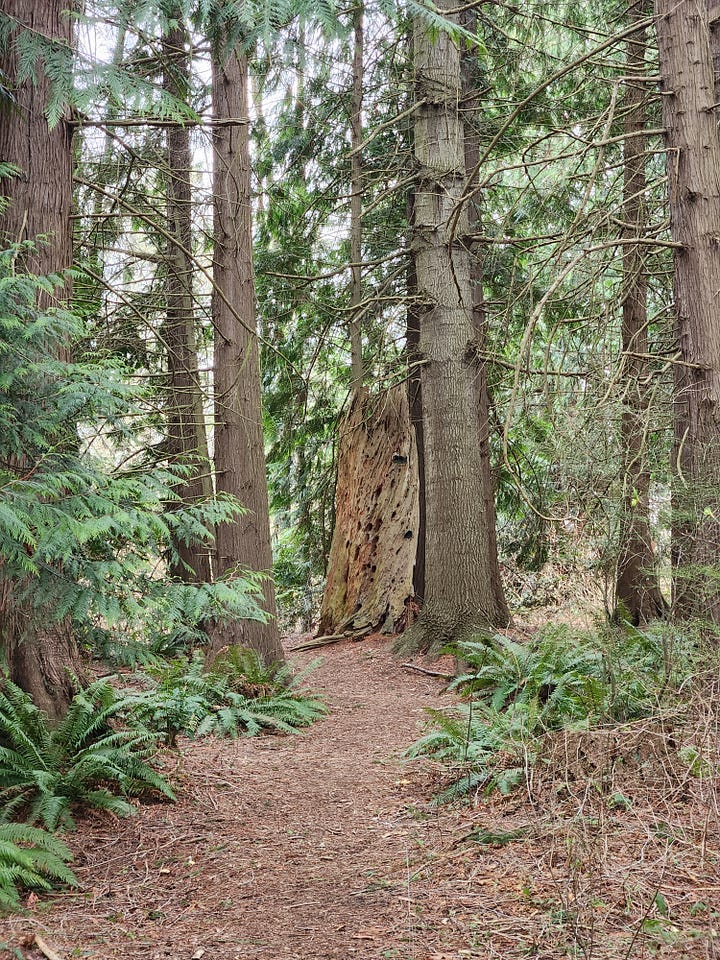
<point>359,479</point>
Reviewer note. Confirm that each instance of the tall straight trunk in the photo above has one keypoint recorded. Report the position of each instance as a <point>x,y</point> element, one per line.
<point>187,438</point>
<point>471,106</point>
<point>460,595</point>
<point>636,587</point>
<point>239,450</point>
<point>691,133</point>
<point>414,387</point>
<point>42,656</point>
<point>356,188</point>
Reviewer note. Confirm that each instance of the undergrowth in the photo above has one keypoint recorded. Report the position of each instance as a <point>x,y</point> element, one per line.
<point>98,756</point>
<point>560,679</point>
<point>31,859</point>
<point>237,695</point>
<point>47,770</point>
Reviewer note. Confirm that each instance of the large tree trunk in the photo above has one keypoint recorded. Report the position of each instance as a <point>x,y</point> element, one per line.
<point>370,569</point>
<point>637,592</point>
<point>187,438</point>
<point>690,120</point>
<point>356,189</point>
<point>414,390</point>
<point>460,595</point>
<point>471,83</point>
<point>42,656</point>
<point>239,450</point>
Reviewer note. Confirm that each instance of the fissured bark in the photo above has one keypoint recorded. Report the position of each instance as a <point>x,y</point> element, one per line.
<point>239,452</point>
<point>42,656</point>
<point>693,160</point>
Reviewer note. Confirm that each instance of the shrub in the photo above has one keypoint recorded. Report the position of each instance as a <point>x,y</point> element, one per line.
<point>30,858</point>
<point>47,770</point>
<point>559,679</point>
<point>237,695</point>
<point>80,537</point>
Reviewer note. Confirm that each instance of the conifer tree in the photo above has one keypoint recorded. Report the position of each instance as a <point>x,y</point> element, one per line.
<point>460,590</point>
<point>187,438</point>
<point>239,447</point>
<point>42,655</point>
<point>686,44</point>
<point>636,585</point>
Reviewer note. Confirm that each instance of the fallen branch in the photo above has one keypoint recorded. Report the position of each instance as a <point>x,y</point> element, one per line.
<point>45,949</point>
<point>332,638</point>
<point>429,673</point>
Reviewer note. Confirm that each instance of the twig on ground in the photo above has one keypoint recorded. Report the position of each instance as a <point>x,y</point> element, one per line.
<point>331,638</point>
<point>45,949</point>
<point>429,673</point>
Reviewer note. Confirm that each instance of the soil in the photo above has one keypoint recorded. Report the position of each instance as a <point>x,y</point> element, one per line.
<point>328,846</point>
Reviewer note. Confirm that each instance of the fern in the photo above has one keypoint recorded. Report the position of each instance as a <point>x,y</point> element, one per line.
<point>30,858</point>
<point>238,695</point>
<point>47,771</point>
<point>520,691</point>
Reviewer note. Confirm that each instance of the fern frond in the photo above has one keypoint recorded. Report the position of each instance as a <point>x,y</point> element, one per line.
<point>30,858</point>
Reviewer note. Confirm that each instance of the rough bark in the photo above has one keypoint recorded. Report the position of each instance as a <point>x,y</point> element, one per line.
<point>471,108</point>
<point>239,452</point>
<point>459,592</point>
<point>41,656</point>
<point>412,340</point>
<point>369,582</point>
<point>693,164</point>
<point>187,438</point>
<point>356,188</point>
<point>370,568</point>
<point>41,196</point>
<point>637,594</point>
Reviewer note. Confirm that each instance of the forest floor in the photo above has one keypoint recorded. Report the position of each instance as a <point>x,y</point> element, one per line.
<point>327,846</point>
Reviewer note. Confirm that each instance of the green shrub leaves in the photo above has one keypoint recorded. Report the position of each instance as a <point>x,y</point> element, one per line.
<point>46,771</point>
<point>559,679</point>
<point>237,695</point>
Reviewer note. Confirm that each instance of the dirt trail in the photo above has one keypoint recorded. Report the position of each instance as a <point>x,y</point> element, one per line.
<point>305,847</point>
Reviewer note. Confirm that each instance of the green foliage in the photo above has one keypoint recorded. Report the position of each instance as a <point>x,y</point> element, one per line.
<point>296,582</point>
<point>245,669</point>
<point>45,771</point>
<point>237,695</point>
<point>79,537</point>
<point>559,679</point>
<point>31,859</point>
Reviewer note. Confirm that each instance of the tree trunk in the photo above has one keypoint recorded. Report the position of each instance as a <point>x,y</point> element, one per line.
<point>690,120</point>
<point>356,188</point>
<point>460,595</point>
<point>369,582</point>
<point>187,439</point>
<point>412,341</point>
<point>42,656</point>
<point>370,569</point>
<point>471,81</point>
<point>637,593</point>
<point>239,450</point>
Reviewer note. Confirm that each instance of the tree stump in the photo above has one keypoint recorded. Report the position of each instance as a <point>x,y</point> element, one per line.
<point>372,555</point>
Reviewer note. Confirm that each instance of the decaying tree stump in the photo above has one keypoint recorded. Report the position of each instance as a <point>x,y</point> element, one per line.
<point>370,568</point>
